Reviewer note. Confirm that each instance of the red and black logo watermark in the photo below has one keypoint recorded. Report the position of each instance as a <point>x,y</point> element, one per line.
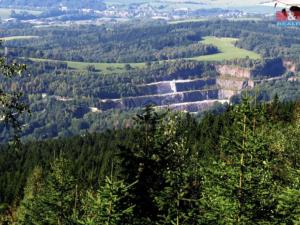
<point>288,17</point>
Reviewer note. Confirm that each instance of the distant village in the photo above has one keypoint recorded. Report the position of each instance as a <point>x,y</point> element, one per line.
<point>115,13</point>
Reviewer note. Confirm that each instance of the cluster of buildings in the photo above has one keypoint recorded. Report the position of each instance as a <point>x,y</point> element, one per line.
<point>120,13</point>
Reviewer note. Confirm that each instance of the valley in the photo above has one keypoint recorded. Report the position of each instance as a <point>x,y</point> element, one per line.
<point>92,78</point>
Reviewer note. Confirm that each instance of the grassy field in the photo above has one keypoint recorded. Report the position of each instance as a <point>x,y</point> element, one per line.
<point>245,19</point>
<point>12,38</point>
<point>5,13</point>
<point>187,21</point>
<point>227,50</point>
<point>206,19</point>
<point>225,45</point>
<point>105,67</point>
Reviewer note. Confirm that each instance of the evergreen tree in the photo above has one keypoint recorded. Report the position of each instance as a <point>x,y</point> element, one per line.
<point>287,143</point>
<point>176,201</point>
<point>141,162</point>
<point>32,189</point>
<point>108,205</point>
<point>289,202</point>
<point>238,188</point>
<point>160,145</point>
<point>57,202</point>
<point>11,103</point>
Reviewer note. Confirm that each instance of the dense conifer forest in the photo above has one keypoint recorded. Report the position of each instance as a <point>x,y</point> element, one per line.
<point>238,167</point>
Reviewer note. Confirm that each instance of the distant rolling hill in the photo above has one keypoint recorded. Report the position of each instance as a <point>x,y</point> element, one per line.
<point>95,4</point>
<point>208,3</point>
<point>218,3</point>
<point>251,6</point>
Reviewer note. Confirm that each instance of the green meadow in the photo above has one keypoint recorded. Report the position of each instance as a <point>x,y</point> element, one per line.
<point>105,67</point>
<point>187,21</point>
<point>12,38</point>
<point>227,50</point>
<point>206,19</point>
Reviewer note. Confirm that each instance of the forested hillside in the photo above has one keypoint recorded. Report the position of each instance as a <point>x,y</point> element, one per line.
<point>91,78</point>
<point>239,167</point>
<point>145,41</point>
